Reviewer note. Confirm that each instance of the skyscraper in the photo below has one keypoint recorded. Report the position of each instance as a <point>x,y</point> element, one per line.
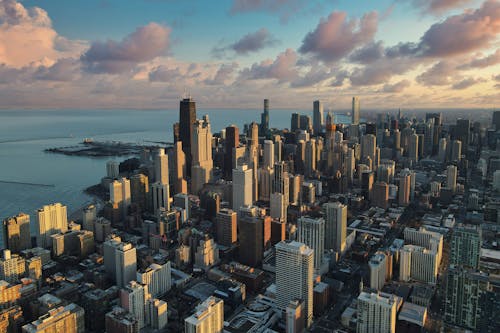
<point>119,195</point>
<point>376,313</point>
<point>208,318</point>
<point>317,117</point>
<point>251,238</point>
<point>201,151</point>
<point>133,298</point>
<point>404,189</point>
<point>451,177</point>
<point>52,219</point>
<point>161,167</point>
<point>335,226</point>
<point>311,231</point>
<point>232,141</point>
<point>120,261</point>
<point>187,117</point>
<point>465,248</point>
<point>378,269</point>
<point>226,227</point>
<point>242,186</point>
<point>158,278</point>
<point>355,111</point>
<point>264,118</point>
<point>180,169</point>
<point>268,154</point>
<point>160,194</point>
<point>294,275</point>
<point>17,232</point>
<point>139,191</point>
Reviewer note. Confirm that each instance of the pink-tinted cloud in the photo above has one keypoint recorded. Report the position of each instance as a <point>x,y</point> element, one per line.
<point>463,33</point>
<point>315,75</point>
<point>66,69</point>
<point>253,42</point>
<point>336,36</point>
<point>144,44</point>
<point>396,87</point>
<point>368,53</point>
<point>438,6</point>
<point>466,83</point>
<point>282,68</point>
<point>487,61</point>
<point>380,71</point>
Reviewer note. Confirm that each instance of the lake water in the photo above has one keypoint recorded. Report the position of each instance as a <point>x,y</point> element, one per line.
<point>25,134</point>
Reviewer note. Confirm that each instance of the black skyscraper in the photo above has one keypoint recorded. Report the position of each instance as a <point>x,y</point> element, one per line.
<point>187,117</point>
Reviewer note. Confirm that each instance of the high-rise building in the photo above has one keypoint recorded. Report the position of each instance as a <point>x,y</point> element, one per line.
<point>376,313</point>
<point>278,209</point>
<point>251,238</point>
<point>310,158</point>
<point>462,132</point>
<point>335,226</point>
<point>68,319</point>
<point>139,191</point>
<point>226,227</point>
<point>496,119</point>
<point>381,195</point>
<point>208,318</point>
<point>51,219</point>
<point>232,141</point>
<point>317,117</point>
<point>404,189</point>
<point>112,169</point>
<point>201,151</point>
<point>295,320</point>
<point>456,151</point>
<point>133,298</point>
<point>378,270</point>
<point>161,167</point>
<point>413,148</point>
<point>368,148</point>
<point>121,321</point>
<point>355,111</point>
<point>294,276</point>
<point>311,231</point>
<point>119,194</point>
<point>180,169</point>
<point>268,154</point>
<point>120,261</point>
<point>89,216</point>
<point>264,118</point>
<point>17,232</point>
<point>160,194</point>
<point>464,301</point>
<point>430,240</point>
<point>12,267</point>
<point>295,122</point>
<point>187,117</point>
<point>242,186</point>
<point>157,315</point>
<point>451,177</point>
<point>418,263</point>
<point>465,247</point>
<point>207,254</point>
<point>158,278</point>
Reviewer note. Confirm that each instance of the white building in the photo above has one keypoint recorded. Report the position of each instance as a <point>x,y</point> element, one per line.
<point>418,263</point>
<point>120,261</point>
<point>157,277</point>
<point>268,154</point>
<point>52,219</point>
<point>376,313</point>
<point>161,196</point>
<point>161,167</point>
<point>378,270</point>
<point>208,318</point>
<point>311,231</point>
<point>430,240</point>
<point>133,298</point>
<point>242,187</point>
<point>294,275</point>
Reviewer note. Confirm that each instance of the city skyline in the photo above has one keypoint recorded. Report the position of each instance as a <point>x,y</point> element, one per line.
<point>148,54</point>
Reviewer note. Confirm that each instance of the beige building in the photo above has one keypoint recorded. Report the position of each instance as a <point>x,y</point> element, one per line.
<point>201,151</point>
<point>376,313</point>
<point>52,219</point>
<point>67,319</point>
<point>17,232</point>
<point>208,318</point>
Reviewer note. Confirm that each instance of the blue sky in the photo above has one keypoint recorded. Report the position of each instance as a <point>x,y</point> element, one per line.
<point>386,51</point>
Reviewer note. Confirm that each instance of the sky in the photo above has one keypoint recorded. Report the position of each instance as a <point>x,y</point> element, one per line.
<point>148,54</point>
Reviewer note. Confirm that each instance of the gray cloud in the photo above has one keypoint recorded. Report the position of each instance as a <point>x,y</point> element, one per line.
<point>368,53</point>
<point>144,44</point>
<point>487,61</point>
<point>396,87</point>
<point>282,68</point>
<point>466,83</point>
<point>253,42</point>
<point>223,74</point>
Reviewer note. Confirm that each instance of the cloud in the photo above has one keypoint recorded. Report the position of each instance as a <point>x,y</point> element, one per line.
<point>315,75</point>
<point>396,87</point>
<point>282,68</point>
<point>223,74</point>
<point>144,44</point>
<point>368,53</point>
<point>380,71</point>
<point>253,42</point>
<point>66,69</point>
<point>339,78</point>
<point>466,83</point>
<point>438,75</point>
<point>438,6</point>
<point>336,36</point>
<point>487,61</point>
